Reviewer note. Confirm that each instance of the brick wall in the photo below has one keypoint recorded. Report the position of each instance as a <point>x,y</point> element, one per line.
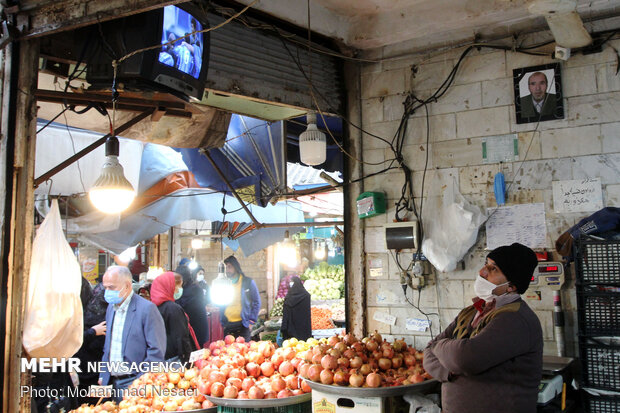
<point>480,104</point>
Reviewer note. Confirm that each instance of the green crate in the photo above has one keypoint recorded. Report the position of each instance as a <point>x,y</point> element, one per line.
<point>305,407</point>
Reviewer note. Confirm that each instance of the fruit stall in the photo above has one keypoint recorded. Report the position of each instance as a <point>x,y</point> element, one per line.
<point>234,376</point>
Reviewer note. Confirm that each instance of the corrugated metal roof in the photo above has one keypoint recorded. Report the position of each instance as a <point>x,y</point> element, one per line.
<point>297,175</point>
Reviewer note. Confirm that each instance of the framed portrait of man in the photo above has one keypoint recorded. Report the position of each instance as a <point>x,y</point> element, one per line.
<point>538,93</point>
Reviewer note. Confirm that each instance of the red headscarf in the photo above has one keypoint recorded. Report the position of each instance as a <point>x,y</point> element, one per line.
<point>162,289</point>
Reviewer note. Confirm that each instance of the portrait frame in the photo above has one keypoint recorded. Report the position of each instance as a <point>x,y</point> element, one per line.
<point>551,106</point>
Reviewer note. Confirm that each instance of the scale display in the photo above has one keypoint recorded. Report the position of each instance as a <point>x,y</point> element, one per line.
<point>548,274</point>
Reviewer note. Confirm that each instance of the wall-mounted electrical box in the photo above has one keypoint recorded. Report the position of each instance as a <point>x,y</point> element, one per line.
<point>401,235</point>
<point>370,204</point>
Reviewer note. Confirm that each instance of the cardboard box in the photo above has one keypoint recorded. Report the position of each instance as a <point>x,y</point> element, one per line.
<point>332,403</point>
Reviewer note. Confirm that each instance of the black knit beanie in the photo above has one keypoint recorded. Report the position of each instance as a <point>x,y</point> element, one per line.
<point>517,262</point>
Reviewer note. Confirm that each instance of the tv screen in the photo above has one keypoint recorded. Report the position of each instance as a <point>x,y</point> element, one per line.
<point>179,66</point>
<point>182,47</point>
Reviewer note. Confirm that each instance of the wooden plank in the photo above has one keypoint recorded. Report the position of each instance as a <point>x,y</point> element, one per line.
<point>22,224</point>
<point>6,191</point>
<point>46,17</point>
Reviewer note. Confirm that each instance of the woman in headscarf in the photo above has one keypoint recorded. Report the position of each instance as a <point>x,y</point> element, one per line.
<point>296,320</point>
<point>194,303</point>
<point>164,291</point>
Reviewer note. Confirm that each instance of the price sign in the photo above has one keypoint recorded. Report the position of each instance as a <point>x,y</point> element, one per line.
<point>417,324</point>
<point>384,318</point>
<point>196,355</point>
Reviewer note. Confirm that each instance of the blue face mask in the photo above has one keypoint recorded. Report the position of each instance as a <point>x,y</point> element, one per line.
<point>178,293</point>
<point>113,297</point>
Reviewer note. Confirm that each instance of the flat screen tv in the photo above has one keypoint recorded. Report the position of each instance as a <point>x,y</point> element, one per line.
<point>179,65</point>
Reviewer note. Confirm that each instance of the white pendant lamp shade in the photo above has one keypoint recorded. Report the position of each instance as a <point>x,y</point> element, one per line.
<point>312,143</point>
<point>112,192</point>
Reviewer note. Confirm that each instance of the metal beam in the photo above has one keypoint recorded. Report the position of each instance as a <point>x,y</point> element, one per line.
<point>63,15</point>
<point>304,224</point>
<point>221,174</point>
<point>38,181</point>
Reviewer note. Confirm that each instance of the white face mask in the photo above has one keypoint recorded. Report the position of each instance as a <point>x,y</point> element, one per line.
<point>200,277</point>
<point>484,288</point>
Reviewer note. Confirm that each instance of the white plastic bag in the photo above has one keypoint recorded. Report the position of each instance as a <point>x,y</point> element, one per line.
<point>53,323</point>
<point>450,226</point>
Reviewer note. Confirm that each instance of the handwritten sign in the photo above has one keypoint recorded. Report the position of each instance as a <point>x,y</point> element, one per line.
<point>196,355</point>
<point>416,324</point>
<point>524,224</point>
<point>582,195</point>
<point>384,318</point>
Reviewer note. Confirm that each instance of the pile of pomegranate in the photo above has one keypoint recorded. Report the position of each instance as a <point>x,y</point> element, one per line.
<point>255,370</point>
<point>371,362</point>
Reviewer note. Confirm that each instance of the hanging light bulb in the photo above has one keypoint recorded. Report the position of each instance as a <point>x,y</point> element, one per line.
<point>319,253</point>
<point>196,242</point>
<point>192,264</point>
<point>222,289</point>
<point>287,252</point>
<point>312,143</point>
<point>112,192</point>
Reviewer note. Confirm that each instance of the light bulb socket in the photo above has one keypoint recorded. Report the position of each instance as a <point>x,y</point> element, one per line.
<point>112,146</point>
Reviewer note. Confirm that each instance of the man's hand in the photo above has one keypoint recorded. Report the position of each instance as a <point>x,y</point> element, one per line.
<point>100,329</point>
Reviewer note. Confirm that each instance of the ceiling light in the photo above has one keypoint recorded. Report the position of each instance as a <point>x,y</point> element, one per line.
<point>112,192</point>
<point>192,264</point>
<point>312,144</point>
<point>287,252</point>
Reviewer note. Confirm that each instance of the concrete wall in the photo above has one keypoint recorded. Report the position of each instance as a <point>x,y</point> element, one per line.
<point>480,104</point>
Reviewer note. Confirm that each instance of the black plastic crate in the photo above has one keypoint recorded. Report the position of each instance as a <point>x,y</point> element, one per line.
<point>598,262</point>
<point>600,365</point>
<point>600,404</point>
<point>599,311</point>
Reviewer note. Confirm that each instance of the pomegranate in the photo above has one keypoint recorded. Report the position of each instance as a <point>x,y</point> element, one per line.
<point>341,378</point>
<point>356,379</point>
<point>284,393</point>
<point>327,377</point>
<point>271,395</point>
<point>229,339</point>
<point>305,387</point>
<point>356,362</point>
<point>231,392</point>
<point>253,369</point>
<point>267,368</point>
<point>329,362</point>
<point>303,369</point>
<point>292,382</point>
<point>365,369</point>
<point>234,382</point>
<point>217,389</point>
<point>349,339</point>
<point>316,358</point>
<point>256,393</point>
<point>277,383</point>
<point>287,368</point>
<point>247,384</point>
<point>373,380</point>
<point>343,362</point>
<point>240,339</point>
<point>371,345</point>
<point>314,372</point>
<point>242,395</point>
<point>397,362</point>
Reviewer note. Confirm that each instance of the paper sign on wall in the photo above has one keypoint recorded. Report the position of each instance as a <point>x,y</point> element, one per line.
<point>524,224</point>
<point>416,324</point>
<point>384,318</point>
<point>375,267</point>
<point>386,297</point>
<point>580,195</point>
<point>374,240</point>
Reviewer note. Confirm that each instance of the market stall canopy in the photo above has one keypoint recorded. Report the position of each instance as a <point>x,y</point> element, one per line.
<point>168,194</point>
<point>252,160</point>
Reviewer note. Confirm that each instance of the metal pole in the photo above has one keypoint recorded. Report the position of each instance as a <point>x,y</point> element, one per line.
<point>38,181</point>
<point>302,224</point>
<point>221,174</point>
<point>558,322</point>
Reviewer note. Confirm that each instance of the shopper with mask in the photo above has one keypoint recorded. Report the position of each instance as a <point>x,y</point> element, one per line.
<point>135,329</point>
<point>194,303</point>
<point>238,317</point>
<point>164,291</point>
<point>490,357</point>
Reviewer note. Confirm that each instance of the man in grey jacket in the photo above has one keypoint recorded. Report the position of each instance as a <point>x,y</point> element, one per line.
<point>489,359</point>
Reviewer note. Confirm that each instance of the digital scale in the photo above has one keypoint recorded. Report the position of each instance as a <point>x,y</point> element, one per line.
<point>549,389</point>
<point>548,274</point>
<point>552,388</point>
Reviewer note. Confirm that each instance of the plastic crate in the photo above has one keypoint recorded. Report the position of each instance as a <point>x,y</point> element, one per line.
<point>600,404</point>
<point>599,312</point>
<point>305,407</point>
<point>598,262</point>
<point>600,366</point>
